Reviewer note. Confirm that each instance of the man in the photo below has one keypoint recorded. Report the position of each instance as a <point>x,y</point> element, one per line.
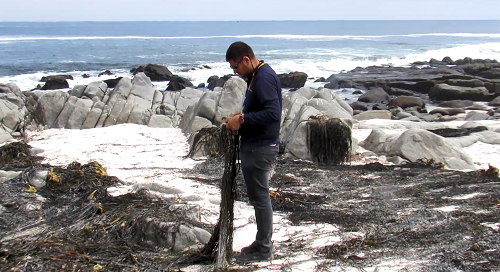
<point>259,127</point>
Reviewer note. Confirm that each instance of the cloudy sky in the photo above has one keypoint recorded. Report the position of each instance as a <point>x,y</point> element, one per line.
<point>224,10</point>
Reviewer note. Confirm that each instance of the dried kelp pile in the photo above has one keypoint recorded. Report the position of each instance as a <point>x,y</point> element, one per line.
<point>220,246</point>
<point>62,218</point>
<point>207,142</point>
<point>329,140</point>
<point>417,214</point>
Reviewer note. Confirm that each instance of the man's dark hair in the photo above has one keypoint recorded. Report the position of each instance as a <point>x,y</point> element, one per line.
<point>238,50</point>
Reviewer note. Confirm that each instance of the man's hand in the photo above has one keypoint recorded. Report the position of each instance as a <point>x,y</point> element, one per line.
<point>234,122</point>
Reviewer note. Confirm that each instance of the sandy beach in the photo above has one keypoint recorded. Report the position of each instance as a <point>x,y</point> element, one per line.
<point>141,156</point>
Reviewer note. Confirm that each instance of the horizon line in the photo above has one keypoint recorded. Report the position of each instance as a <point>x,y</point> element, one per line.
<point>194,21</point>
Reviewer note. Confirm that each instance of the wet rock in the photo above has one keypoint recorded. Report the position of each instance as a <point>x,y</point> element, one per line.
<point>357,105</point>
<point>495,102</point>
<point>407,101</point>
<point>47,78</point>
<point>215,81</point>
<point>456,104</point>
<point>157,72</point>
<point>373,114</point>
<point>105,73</point>
<point>476,116</point>
<point>178,83</point>
<point>55,82</point>
<point>443,92</point>
<point>111,83</point>
<point>447,111</point>
<point>377,95</point>
<point>293,79</point>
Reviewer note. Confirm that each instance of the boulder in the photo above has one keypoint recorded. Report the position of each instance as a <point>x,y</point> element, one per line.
<point>47,78</point>
<point>332,86</point>
<point>407,101</point>
<point>465,83</point>
<point>140,114</point>
<point>456,104</point>
<point>373,114</point>
<point>111,83</point>
<point>215,82</point>
<point>329,108</point>
<point>188,97</point>
<point>231,99</point>
<point>447,111</point>
<point>56,82</point>
<point>357,105</point>
<point>207,105</point>
<point>93,116</point>
<point>77,91</point>
<point>142,91</point>
<point>96,89</point>
<point>415,144</point>
<point>476,116</point>
<point>79,114</point>
<point>156,72</point>
<point>49,106</point>
<point>377,95</point>
<point>495,102</point>
<point>398,92</point>
<point>178,83</point>
<point>293,79</point>
<point>444,92</point>
<point>105,73</point>
<point>490,74</point>
<point>160,121</point>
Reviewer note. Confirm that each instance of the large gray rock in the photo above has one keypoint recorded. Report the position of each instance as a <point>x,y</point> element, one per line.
<point>140,114</point>
<point>56,82</point>
<point>188,97</point>
<point>373,114</point>
<point>79,114</point>
<point>231,99</point>
<point>65,113</point>
<point>95,89</point>
<point>160,121</point>
<point>196,124</point>
<point>443,92</point>
<point>142,91</point>
<point>207,105</point>
<point>157,72</point>
<point>293,79</point>
<point>495,102</point>
<point>377,95</point>
<point>415,144</point>
<point>476,116</point>
<point>92,118</point>
<point>78,90</point>
<point>329,108</point>
<point>48,107</point>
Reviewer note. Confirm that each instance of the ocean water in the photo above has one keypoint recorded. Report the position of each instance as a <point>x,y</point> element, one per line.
<point>30,50</point>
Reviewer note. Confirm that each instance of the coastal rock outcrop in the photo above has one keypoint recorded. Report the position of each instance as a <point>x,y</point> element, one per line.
<point>13,111</point>
<point>293,79</point>
<point>415,144</point>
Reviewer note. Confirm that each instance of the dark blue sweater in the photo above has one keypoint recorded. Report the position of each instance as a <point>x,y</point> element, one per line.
<point>262,109</point>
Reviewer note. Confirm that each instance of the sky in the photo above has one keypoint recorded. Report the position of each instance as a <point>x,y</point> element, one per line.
<point>255,10</point>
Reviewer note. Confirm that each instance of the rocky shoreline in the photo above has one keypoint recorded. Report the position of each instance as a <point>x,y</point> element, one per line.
<point>463,90</point>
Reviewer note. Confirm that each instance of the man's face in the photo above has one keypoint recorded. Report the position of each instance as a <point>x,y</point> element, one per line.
<point>241,66</point>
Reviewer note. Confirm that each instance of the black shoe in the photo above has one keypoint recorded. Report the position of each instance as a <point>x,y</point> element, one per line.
<point>253,255</point>
<point>253,247</point>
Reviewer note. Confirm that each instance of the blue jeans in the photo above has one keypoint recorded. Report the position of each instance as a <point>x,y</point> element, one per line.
<point>256,165</point>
